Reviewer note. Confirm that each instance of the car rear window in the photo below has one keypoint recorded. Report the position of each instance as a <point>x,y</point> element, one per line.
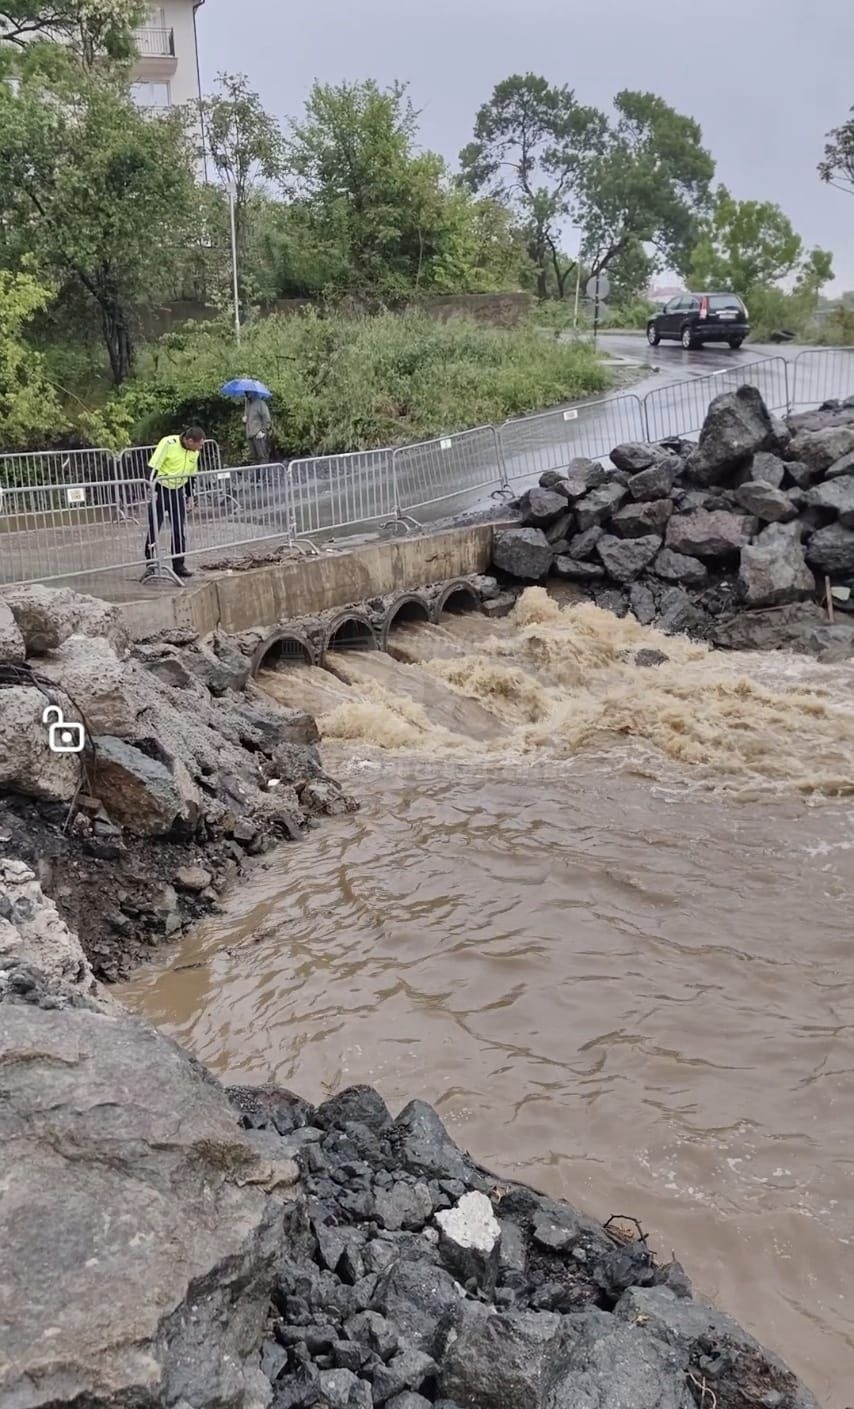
<point>717,302</point>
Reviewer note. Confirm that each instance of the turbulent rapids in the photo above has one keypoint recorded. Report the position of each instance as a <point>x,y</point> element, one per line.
<point>550,682</point>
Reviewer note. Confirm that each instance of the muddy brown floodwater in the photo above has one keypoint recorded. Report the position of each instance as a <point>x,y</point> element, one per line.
<point>600,915</point>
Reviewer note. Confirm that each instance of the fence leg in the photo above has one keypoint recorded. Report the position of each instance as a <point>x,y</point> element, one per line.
<point>645,410</point>
<point>158,569</point>
<point>402,522</point>
<point>503,492</point>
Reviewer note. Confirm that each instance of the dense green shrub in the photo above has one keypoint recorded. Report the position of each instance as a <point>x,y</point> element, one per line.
<point>352,383</point>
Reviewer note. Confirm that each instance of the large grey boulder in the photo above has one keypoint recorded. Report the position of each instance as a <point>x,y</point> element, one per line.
<point>47,616</point>
<point>600,1361</point>
<point>773,570</point>
<point>575,570</point>
<point>542,506</point>
<point>501,1362</point>
<point>767,468</point>
<point>583,545</point>
<point>830,551</point>
<point>707,534</point>
<point>626,558</point>
<point>102,686</point>
<point>12,648</point>
<point>820,449</point>
<point>640,519</point>
<point>140,1237</point>
<point>842,466</point>
<point>27,764</point>
<point>678,567</point>
<point>33,932</point>
<point>765,502</point>
<point>746,1374</point>
<point>142,793</point>
<point>737,425</point>
<point>598,506</point>
<point>656,482</point>
<point>768,629</point>
<point>524,553</point>
<point>634,456</point>
<point>837,496</point>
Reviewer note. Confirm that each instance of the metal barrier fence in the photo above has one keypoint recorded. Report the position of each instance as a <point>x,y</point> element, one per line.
<point>679,409</point>
<point>822,374</point>
<point>66,514</point>
<point>551,440</point>
<point>59,531</point>
<point>330,492</point>
<point>450,467</point>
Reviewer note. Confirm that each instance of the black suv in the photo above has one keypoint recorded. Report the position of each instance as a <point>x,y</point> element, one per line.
<point>697,318</point>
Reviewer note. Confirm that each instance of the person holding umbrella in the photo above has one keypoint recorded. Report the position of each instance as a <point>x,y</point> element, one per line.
<point>256,416</point>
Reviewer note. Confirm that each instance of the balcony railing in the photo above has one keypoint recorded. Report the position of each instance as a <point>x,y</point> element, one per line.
<point>155,43</point>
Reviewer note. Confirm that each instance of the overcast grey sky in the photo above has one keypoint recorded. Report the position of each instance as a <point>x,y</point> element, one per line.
<point>766,79</point>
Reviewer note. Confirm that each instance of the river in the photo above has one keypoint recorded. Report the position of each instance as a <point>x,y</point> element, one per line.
<point>599,913</point>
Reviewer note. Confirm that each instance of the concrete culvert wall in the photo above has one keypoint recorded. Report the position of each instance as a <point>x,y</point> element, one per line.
<point>457,598</point>
<point>282,649</point>
<point>352,632</point>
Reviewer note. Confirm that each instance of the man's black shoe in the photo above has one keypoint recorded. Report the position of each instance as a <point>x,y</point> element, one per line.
<point>182,571</point>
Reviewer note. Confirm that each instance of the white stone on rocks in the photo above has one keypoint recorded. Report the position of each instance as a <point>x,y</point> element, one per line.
<point>470,1239</point>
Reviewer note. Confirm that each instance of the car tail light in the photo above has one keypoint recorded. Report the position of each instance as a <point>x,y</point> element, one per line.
<point>744,311</point>
<point>704,308</point>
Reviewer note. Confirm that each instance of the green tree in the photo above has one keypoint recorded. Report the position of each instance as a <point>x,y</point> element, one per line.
<point>91,28</point>
<point>743,245</point>
<point>531,144</point>
<point>245,145</point>
<point>645,184</point>
<point>837,166</point>
<point>97,193</point>
<point>383,219</point>
<point>28,404</point>
<point>752,248</point>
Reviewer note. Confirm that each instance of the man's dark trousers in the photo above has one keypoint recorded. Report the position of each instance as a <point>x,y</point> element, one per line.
<point>174,503</point>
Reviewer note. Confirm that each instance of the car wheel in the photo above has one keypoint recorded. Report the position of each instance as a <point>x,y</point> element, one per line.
<point>688,339</point>
<point>652,335</point>
<point>735,343</point>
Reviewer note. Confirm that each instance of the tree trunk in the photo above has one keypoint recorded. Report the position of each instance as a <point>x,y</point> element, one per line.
<point>118,341</point>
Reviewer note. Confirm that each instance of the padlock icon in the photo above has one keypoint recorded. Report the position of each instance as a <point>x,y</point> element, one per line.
<point>63,736</point>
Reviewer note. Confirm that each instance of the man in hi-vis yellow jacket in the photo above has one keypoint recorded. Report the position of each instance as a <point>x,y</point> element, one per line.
<point>173,467</point>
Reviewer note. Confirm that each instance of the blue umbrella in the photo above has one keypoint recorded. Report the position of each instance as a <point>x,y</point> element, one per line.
<point>245,386</point>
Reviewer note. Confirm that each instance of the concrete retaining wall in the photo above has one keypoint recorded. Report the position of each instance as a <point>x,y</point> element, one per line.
<point>302,587</point>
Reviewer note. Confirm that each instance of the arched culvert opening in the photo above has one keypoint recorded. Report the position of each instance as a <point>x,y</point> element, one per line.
<point>350,633</point>
<point>282,649</point>
<point>456,599</point>
<point>405,610</point>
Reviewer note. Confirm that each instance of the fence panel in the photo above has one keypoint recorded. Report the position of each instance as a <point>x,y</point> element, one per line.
<point>680,409</point>
<point>50,532</point>
<point>822,374</point>
<point>236,507</point>
<point>329,492</point>
<point>44,472</point>
<point>551,440</point>
<point>450,467</point>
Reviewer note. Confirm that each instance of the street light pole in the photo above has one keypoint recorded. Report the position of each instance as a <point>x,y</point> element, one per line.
<point>232,202</point>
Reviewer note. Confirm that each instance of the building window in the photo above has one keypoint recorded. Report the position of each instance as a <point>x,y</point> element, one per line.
<point>151,95</point>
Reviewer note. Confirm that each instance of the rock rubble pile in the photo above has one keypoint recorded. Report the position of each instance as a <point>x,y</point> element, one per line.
<point>187,769</point>
<point>758,516</point>
<point>415,1278</point>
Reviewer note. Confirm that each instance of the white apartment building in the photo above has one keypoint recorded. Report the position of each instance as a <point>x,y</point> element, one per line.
<point>166,73</point>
